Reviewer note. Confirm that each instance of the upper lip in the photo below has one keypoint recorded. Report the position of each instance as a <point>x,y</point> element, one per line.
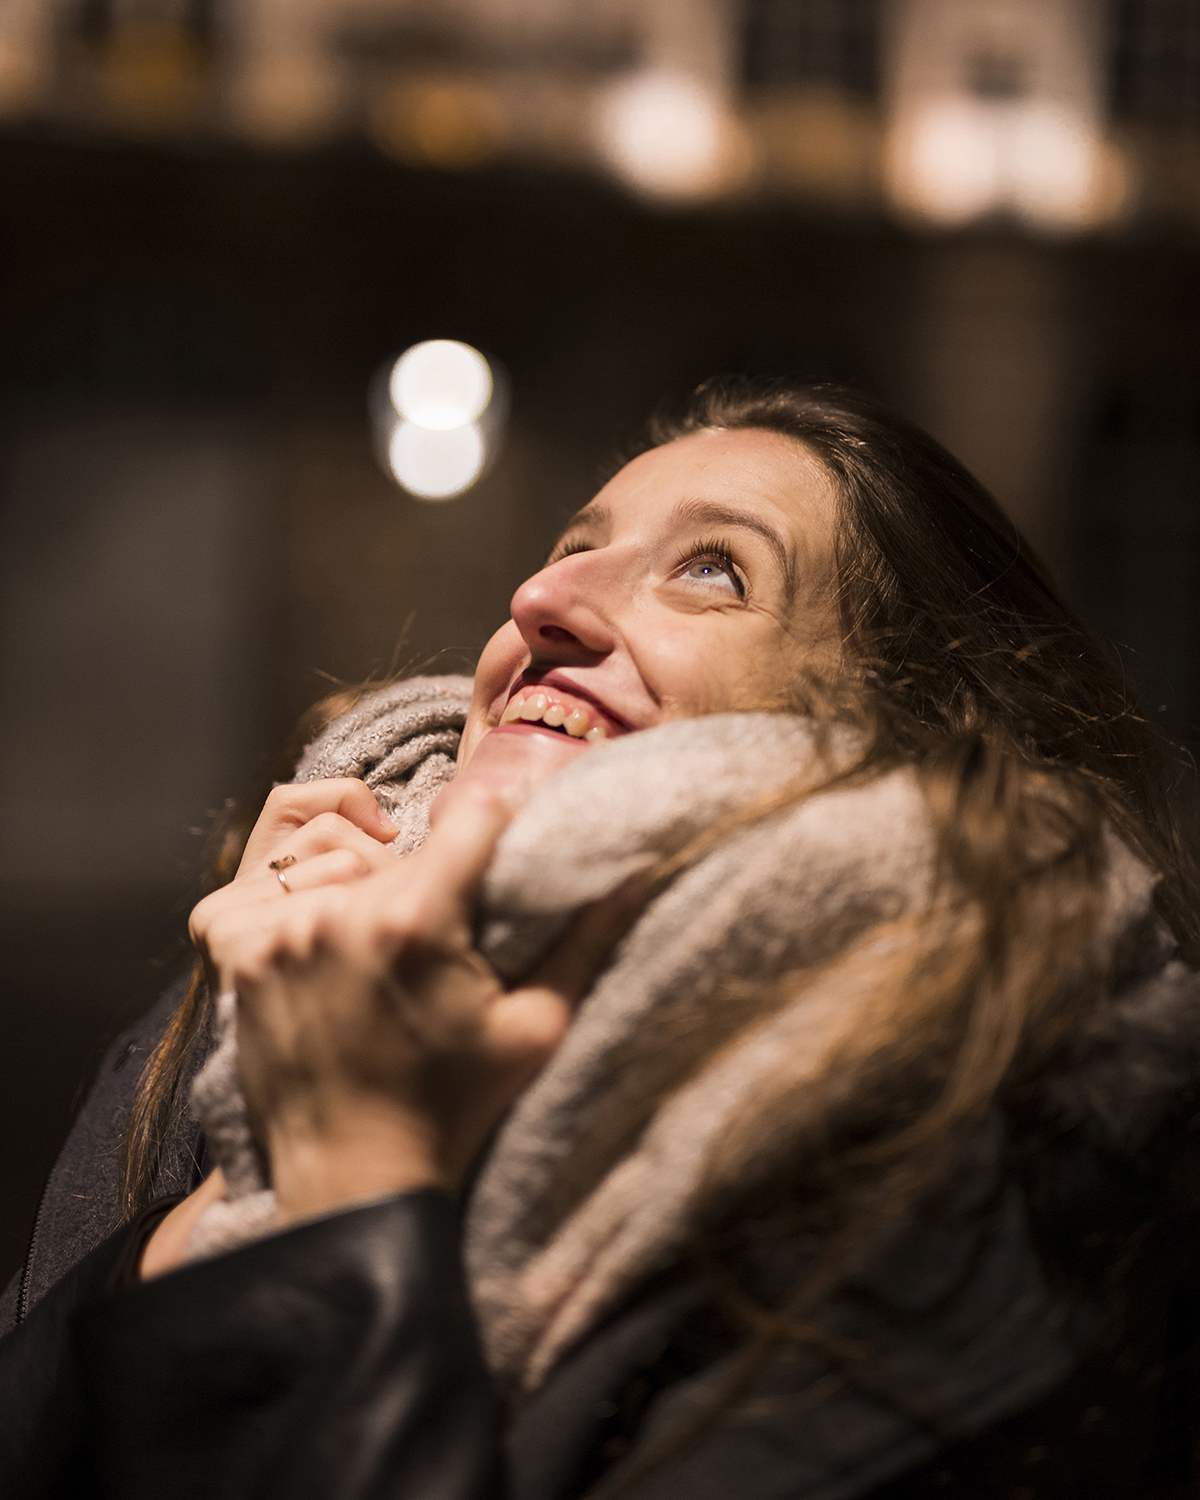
<point>554,679</point>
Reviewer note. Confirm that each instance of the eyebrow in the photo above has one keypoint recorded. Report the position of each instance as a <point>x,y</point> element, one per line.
<point>709,513</point>
<point>594,518</point>
<point>591,518</point>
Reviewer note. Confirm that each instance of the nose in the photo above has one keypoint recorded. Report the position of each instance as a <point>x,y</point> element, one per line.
<point>563,612</point>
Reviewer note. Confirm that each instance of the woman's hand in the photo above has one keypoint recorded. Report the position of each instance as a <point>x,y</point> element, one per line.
<point>333,830</point>
<point>315,817</point>
<point>377,1049</point>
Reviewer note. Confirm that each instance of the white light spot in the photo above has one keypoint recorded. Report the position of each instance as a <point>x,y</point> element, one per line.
<point>436,465</point>
<point>440,385</point>
<point>1052,167</point>
<point>951,168</point>
<point>668,135</point>
<point>956,159</point>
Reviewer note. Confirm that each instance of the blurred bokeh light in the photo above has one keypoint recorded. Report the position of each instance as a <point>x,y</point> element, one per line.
<point>669,137</point>
<point>436,464</point>
<point>440,424</point>
<point>440,384</point>
<point>995,108</point>
<point>1063,116</point>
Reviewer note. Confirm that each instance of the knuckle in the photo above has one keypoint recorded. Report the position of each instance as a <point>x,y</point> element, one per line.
<point>328,824</point>
<point>222,928</point>
<point>352,862</point>
<point>332,926</point>
<point>401,914</point>
<point>422,916</point>
<point>418,920</point>
<point>201,914</point>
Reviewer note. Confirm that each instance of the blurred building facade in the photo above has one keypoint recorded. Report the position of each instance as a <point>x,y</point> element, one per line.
<point>1067,113</point>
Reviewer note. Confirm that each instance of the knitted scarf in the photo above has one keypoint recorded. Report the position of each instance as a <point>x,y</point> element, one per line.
<point>689,1037</point>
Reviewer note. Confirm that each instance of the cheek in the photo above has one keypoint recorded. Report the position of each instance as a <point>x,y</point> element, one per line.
<point>503,657</point>
<point>712,665</point>
<point>693,668</point>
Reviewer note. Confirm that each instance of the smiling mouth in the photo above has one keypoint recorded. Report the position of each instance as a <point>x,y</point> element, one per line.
<point>533,706</point>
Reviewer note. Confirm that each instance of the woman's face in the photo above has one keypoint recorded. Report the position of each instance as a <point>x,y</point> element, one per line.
<point>699,580</point>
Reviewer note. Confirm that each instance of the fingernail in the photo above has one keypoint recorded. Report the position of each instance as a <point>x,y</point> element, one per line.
<point>385,821</point>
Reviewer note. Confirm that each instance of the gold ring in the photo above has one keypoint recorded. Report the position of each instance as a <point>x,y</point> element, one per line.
<point>279,866</point>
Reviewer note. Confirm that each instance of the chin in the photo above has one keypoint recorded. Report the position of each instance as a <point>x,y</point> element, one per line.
<point>513,761</point>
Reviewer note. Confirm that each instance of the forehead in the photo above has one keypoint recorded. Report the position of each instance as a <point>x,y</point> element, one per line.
<point>764,474</point>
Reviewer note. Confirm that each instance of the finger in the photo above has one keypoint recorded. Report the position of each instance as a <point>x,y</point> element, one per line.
<point>245,939</point>
<point>526,1026</point>
<point>524,1029</point>
<point>325,832</point>
<point>290,807</point>
<point>334,867</point>
<point>453,860</point>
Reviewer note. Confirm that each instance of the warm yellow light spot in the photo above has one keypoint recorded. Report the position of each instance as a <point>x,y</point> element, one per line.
<point>151,75</point>
<point>22,76</point>
<point>821,142</point>
<point>454,123</point>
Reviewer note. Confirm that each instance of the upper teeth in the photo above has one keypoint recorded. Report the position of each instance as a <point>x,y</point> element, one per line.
<point>534,706</point>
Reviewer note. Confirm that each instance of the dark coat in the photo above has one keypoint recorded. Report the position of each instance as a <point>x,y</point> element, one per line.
<point>80,1202</point>
<point>340,1359</point>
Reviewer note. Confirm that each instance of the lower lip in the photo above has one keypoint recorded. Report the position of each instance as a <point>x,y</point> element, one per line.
<point>525,726</point>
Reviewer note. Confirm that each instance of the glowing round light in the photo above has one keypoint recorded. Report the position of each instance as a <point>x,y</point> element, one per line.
<point>287,99</point>
<point>947,165</point>
<point>957,159</point>
<point>440,385</point>
<point>668,136</point>
<point>1053,167</point>
<point>436,465</point>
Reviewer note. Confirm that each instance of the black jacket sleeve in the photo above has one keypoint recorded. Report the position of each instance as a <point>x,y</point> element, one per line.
<point>337,1361</point>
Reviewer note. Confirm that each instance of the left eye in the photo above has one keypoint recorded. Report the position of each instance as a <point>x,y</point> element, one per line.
<point>712,570</point>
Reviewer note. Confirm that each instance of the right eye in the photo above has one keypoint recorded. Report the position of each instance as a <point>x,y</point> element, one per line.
<point>566,549</point>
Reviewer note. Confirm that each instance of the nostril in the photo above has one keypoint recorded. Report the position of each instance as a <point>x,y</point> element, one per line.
<point>557,633</point>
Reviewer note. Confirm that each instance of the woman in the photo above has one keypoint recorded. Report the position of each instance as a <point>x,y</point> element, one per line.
<point>862,1168</point>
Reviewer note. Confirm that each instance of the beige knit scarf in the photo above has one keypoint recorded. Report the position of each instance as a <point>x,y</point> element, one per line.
<point>570,1214</point>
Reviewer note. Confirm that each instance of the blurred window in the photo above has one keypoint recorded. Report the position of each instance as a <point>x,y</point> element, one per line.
<point>97,18</point>
<point>811,43</point>
<point>1135,530</point>
<point>1156,60</point>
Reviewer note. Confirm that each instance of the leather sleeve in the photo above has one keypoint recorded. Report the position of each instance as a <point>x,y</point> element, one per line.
<point>336,1361</point>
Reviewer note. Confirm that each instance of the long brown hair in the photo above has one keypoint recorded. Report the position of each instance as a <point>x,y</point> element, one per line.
<point>956,626</point>
<point>969,664</point>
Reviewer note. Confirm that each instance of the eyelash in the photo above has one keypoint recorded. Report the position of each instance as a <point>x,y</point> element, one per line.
<point>711,550</point>
<point>567,549</point>
<point>718,551</point>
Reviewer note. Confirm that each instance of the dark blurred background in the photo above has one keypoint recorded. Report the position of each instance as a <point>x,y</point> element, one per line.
<point>220,218</point>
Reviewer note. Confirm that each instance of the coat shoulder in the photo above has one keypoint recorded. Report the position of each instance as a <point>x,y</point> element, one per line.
<point>80,1203</point>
